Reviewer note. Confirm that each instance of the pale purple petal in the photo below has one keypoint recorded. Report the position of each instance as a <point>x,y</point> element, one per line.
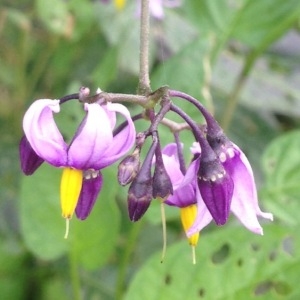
<point>245,203</point>
<point>42,133</point>
<point>191,172</point>
<point>92,139</point>
<point>88,196</point>
<point>173,169</point>
<point>183,194</point>
<point>111,115</point>
<point>203,217</point>
<point>122,142</point>
<point>172,3</point>
<point>172,151</point>
<point>195,149</point>
<point>156,9</point>
<point>182,197</point>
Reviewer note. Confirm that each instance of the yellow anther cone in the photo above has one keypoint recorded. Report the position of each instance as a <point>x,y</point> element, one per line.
<point>70,187</point>
<point>119,4</point>
<point>188,216</point>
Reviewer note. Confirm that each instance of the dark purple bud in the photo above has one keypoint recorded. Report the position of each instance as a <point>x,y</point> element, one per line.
<point>162,185</point>
<point>129,167</point>
<point>216,188</point>
<point>139,198</point>
<point>140,190</point>
<point>91,186</point>
<point>29,160</point>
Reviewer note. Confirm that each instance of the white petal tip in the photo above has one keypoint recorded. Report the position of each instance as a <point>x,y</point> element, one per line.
<point>267,216</point>
<point>257,230</point>
<point>98,91</point>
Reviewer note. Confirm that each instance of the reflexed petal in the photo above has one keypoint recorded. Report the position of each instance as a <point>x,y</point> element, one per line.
<point>171,151</point>
<point>173,169</point>
<point>91,140</point>
<point>183,196</point>
<point>191,172</point>
<point>122,142</point>
<point>195,149</point>
<point>111,115</point>
<point>245,203</point>
<point>88,196</point>
<point>42,132</point>
<point>29,160</point>
<point>203,217</point>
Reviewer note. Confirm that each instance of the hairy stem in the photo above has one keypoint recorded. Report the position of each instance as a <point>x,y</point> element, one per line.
<point>144,81</point>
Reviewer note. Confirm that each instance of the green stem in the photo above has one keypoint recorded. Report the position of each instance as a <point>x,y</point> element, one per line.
<point>144,81</point>
<point>234,95</point>
<point>130,245</point>
<point>74,274</point>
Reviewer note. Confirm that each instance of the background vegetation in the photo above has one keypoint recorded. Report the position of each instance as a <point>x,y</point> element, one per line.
<point>241,59</point>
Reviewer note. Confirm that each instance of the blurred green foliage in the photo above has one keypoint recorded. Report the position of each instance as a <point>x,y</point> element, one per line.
<point>241,59</point>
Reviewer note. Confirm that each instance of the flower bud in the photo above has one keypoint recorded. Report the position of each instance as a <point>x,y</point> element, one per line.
<point>140,190</point>
<point>30,161</point>
<point>139,198</point>
<point>162,185</point>
<point>129,167</point>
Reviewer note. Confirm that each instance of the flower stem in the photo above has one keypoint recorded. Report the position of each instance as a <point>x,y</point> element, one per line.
<point>144,81</point>
<point>164,229</point>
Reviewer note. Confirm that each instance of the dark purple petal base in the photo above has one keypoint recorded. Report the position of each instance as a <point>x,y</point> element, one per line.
<point>88,196</point>
<point>29,160</point>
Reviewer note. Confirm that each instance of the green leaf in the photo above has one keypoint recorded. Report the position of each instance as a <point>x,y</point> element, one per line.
<point>91,241</point>
<point>281,164</point>
<point>231,264</point>
<point>42,226</point>
<point>210,15</point>
<point>94,239</point>
<point>183,71</point>
<point>106,71</point>
<point>272,19</point>
<point>54,14</point>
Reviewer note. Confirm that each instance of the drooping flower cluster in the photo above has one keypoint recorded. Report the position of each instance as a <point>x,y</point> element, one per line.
<point>218,180</point>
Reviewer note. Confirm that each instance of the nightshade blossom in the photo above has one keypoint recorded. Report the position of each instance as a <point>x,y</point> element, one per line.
<point>244,202</point>
<point>92,148</point>
<point>186,195</point>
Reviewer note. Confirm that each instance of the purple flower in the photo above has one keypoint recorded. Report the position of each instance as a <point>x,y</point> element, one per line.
<point>244,202</point>
<point>185,192</point>
<point>92,148</point>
